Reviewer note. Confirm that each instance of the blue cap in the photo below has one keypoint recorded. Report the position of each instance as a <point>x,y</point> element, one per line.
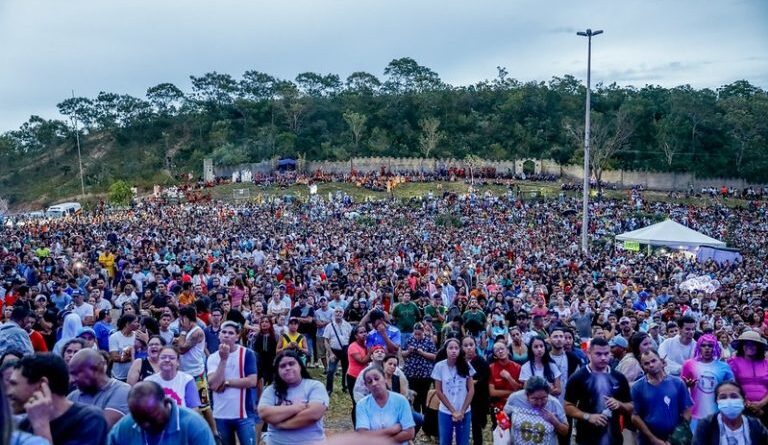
<point>619,341</point>
<point>82,331</point>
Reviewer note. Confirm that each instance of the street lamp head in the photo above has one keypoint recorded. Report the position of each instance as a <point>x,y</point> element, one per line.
<point>589,33</point>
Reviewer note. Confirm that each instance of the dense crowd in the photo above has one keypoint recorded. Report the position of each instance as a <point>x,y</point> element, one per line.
<point>198,323</point>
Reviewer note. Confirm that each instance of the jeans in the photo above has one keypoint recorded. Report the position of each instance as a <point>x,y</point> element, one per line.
<point>244,428</point>
<point>333,365</point>
<point>418,419</point>
<point>311,354</point>
<point>446,426</point>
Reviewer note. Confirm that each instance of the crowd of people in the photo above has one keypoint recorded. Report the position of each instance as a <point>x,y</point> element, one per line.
<point>205,323</point>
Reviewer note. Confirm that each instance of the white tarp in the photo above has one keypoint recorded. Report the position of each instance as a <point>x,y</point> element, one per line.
<point>671,234</point>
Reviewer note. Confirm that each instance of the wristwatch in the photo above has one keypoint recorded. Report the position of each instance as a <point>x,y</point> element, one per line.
<point>226,383</point>
<point>585,416</point>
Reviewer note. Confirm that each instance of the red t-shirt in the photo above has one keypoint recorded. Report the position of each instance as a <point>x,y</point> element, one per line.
<point>499,382</point>
<point>38,342</point>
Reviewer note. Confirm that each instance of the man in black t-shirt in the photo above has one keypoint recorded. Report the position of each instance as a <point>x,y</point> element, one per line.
<point>597,397</point>
<point>38,386</point>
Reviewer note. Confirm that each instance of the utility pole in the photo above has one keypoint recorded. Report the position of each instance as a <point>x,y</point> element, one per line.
<point>585,204</point>
<point>79,154</point>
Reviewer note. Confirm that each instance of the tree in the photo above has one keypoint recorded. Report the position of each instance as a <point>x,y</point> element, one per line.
<point>362,83</point>
<point>256,85</point>
<point>80,109</point>
<point>166,98</point>
<point>316,85</point>
<point>668,139</point>
<point>214,89</point>
<point>37,133</point>
<point>120,193</point>
<point>430,136</point>
<point>609,134</point>
<point>407,76</point>
<point>379,142</point>
<point>356,123</point>
<point>747,126</point>
<point>473,161</point>
<point>292,104</point>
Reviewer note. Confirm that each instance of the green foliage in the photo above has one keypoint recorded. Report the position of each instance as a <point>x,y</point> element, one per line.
<point>446,220</point>
<point>120,193</point>
<point>409,111</point>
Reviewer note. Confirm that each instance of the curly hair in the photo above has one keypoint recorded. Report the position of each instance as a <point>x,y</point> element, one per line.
<point>280,385</point>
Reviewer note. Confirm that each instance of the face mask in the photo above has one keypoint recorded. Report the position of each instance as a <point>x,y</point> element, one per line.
<point>731,408</point>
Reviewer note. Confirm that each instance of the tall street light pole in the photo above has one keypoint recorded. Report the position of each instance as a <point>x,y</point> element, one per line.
<point>79,156</point>
<point>585,204</point>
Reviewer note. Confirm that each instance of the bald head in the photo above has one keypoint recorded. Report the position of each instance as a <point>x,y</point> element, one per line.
<point>143,390</point>
<point>148,406</point>
<point>88,357</point>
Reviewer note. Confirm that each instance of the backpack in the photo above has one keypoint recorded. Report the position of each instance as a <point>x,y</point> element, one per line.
<point>302,354</point>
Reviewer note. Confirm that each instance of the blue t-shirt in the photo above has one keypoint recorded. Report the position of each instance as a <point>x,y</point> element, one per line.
<point>102,331</point>
<point>371,416</point>
<point>660,406</point>
<point>375,339</point>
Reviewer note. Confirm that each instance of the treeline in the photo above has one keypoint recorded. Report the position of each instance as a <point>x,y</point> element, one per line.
<point>409,111</point>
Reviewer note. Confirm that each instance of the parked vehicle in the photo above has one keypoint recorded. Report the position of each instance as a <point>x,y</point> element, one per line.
<point>63,209</point>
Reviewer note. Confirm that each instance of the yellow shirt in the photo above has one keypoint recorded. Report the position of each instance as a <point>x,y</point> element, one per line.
<point>107,259</point>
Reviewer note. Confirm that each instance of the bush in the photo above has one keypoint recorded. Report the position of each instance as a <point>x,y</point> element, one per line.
<point>120,193</point>
<point>448,221</point>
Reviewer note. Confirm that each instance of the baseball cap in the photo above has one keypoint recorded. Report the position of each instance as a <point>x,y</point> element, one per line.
<point>86,331</point>
<point>375,348</point>
<point>293,320</point>
<point>624,319</point>
<point>619,341</point>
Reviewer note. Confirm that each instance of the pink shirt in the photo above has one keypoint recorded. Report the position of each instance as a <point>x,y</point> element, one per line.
<point>752,375</point>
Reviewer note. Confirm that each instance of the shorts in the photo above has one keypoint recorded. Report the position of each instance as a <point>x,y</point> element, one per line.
<point>321,352</point>
<point>202,388</point>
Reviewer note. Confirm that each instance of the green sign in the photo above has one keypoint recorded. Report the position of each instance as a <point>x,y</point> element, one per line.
<point>632,246</point>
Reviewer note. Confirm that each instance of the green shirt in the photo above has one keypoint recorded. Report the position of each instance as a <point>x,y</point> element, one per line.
<point>405,315</point>
<point>474,315</point>
<point>433,311</point>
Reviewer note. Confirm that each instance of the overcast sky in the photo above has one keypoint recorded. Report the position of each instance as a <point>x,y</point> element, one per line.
<point>49,48</point>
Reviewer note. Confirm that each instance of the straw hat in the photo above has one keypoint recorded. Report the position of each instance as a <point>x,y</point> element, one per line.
<point>749,336</point>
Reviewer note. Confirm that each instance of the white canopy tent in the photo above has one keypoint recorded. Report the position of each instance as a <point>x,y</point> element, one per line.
<point>670,234</point>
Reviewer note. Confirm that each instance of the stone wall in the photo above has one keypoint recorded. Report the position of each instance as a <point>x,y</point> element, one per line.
<point>573,173</point>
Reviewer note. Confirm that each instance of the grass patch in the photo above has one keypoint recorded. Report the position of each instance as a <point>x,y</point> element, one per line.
<point>338,418</point>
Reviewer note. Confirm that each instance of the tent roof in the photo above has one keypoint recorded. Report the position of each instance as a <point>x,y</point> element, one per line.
<point>669,233</point>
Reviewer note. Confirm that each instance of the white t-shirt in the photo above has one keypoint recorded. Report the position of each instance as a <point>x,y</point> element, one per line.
<point>735,437</point>
<point>675,353</point>
<point>84,310</point>
<point>233,403</point>
<point>454,385</point>
<point>525,371</point>
<point>178,388</point>
<point>118,343</point>
<point>561,361</point>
